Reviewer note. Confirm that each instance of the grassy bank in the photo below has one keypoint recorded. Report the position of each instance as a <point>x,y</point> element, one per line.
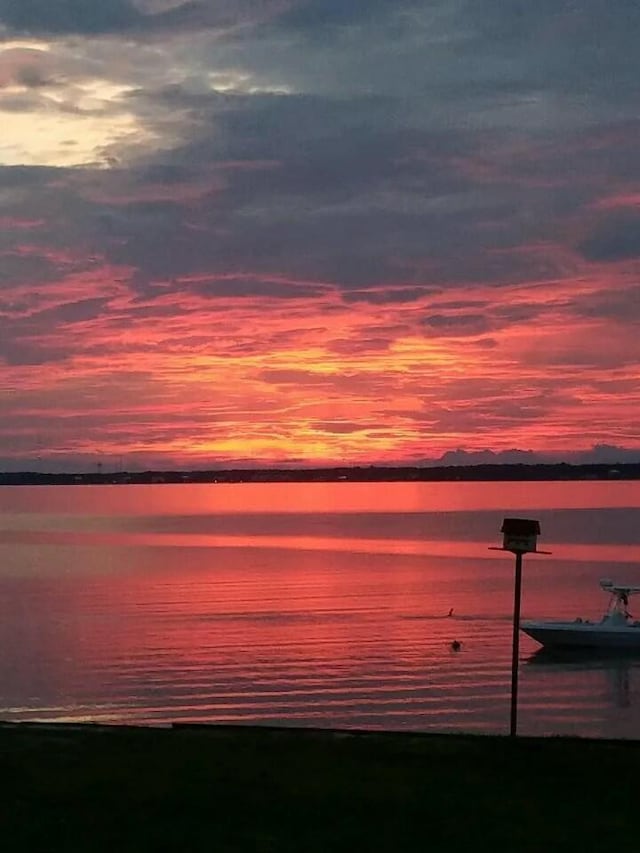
<point>229,789</point>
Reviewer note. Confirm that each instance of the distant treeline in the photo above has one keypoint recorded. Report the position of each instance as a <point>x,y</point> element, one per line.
<point>372,474</point>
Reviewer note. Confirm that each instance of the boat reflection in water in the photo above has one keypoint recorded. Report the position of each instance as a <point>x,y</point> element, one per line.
<point>617,665</point>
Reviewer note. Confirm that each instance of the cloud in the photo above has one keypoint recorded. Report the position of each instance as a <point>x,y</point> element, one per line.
<point>613,238</point>
<point>600,454</point>
<point>310,16</point>
<point>69,16</point>
<point>322,216</point>
<point>338,427</point>
<point>16,268</point>
<point>31,353</point>
<point>488,457</point>
<point>457,324</point>
<point>239,288</point>
<point>137,18</point>
<point>389,295</point>
<point>621,305</point>
<point>581,48</point>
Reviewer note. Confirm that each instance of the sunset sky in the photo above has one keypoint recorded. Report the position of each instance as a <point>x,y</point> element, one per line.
<point>318,231</point>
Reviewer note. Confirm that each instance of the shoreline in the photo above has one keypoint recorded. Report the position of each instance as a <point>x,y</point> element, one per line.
<point>372,474</point>
<point>214,787</point>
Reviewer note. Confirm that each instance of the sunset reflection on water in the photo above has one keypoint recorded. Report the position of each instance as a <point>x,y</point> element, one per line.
<point>324,607</point>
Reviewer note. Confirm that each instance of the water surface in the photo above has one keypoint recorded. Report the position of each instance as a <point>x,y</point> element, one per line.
<point>308,604</point>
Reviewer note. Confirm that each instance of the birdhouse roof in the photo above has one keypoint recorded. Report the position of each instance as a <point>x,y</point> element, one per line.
<point>521,526</point>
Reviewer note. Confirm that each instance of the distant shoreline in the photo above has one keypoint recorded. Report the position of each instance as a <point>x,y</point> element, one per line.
<point>371,474</point>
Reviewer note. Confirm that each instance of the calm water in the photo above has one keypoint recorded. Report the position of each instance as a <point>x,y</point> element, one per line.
<point>320,604</point>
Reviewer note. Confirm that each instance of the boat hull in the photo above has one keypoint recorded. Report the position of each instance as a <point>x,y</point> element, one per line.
<point>584,635</point>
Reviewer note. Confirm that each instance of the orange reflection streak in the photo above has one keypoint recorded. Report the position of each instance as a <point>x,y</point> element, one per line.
<point>211,500</point>
<point>300,544</point>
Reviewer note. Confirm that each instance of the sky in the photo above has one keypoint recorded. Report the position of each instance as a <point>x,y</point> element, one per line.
<point>303,232</point>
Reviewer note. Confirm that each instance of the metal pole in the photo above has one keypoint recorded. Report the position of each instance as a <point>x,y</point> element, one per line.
<point>516,646</point>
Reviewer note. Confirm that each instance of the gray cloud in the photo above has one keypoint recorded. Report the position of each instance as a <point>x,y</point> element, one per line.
<point>579,45</point>
<point>26,338</point>
<point>19,177</point>
<point>457,324</point>
<point>25,353</point>
<point>139,19</point>
<point>489,457</point>
<point>25,269</point>
<point>599,454</point>
<point>389,296</point>
<point>310,16</point>
<point>365,188</point>
<point>614,238</point>
<point>69,16</point>
<point>621,305</point>
<point>266,289</point>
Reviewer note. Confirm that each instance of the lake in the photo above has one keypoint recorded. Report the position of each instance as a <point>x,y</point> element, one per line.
<point>321,604</point>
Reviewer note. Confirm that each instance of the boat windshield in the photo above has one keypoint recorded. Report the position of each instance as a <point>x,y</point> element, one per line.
<point>618,609</point>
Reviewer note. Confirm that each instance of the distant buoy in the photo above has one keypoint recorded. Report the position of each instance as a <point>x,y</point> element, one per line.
<point>456,646</point>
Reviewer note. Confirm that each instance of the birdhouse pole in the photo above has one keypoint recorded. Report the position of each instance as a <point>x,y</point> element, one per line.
<point>519,537</point>
<point>515,645</point>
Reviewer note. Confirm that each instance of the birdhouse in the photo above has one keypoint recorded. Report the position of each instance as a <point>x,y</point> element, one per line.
<point>520,535</point>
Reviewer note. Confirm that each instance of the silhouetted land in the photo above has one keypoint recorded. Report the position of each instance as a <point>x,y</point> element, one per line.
<point>250,789</point>
<point>372,474</point>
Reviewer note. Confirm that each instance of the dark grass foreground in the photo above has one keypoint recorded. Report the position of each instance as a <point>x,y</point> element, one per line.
<point>74,788</point>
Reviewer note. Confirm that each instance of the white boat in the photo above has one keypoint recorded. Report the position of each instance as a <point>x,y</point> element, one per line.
<point>616,629</point>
